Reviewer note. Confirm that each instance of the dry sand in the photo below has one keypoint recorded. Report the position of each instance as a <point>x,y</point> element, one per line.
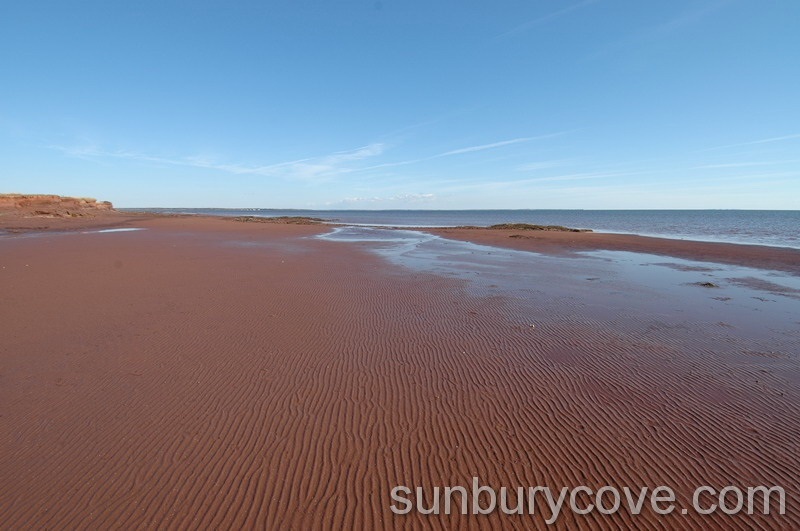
<point>211,374</point>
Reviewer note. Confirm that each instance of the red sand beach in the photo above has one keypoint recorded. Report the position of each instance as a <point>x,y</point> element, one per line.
<point>205,374</point>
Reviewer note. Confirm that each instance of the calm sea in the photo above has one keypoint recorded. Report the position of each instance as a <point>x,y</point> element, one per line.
<point>765,227</point>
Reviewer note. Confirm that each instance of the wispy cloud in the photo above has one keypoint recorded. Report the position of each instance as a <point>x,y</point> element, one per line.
<point>401,198</point>
<point>753,142</point>
<point>651,33</point>
<point>688,17</point>
<point>308,169</point>
<point>542,165</point>
<point>465,150</point>
<point>483,147</point>
<point>525,26</point>
<point>741,164</point>
<point>749,177</point>
<point>579,176</point>
<point>494,184</point>
<point>311,169</point>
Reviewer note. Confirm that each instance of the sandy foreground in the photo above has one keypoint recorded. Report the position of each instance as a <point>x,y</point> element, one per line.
<point>204,373</point>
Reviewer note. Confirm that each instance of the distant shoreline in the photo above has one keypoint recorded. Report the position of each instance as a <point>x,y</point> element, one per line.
<point>549,242</point>
<point>749,227</point>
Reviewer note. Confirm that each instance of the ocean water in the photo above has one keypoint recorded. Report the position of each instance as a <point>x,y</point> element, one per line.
<point>762,227</point>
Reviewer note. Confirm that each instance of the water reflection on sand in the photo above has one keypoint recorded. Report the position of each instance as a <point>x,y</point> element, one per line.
<point>615,287</point>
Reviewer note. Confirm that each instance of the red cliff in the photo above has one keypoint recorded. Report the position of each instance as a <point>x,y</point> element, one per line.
<point>39,205</point>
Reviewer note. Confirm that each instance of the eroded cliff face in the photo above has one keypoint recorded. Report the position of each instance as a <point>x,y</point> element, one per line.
<point>53,206</point>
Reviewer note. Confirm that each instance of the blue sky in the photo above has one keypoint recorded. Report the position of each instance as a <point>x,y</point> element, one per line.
<point>403,104</point>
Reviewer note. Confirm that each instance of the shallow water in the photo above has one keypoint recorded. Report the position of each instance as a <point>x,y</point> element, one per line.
<point>126,229</point>
<point>43,234</point>
<point>763,227</point>
<point>614,287</point>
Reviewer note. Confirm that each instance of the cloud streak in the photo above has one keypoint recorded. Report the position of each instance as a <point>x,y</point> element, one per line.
<point>311,169</point>
<point>308,169</point>
<point>494,145</point>
<point>541,180</point>
<point>741,164</point>
<point>651,33</point>
<point>400,198</point>
<point>525,26</point>
<point>465,150</point>
<point>754,142</point>
<point>483,147</point>
<point>542,165</point>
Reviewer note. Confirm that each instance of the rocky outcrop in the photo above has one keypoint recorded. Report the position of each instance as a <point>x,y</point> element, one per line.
<point>52,205</point>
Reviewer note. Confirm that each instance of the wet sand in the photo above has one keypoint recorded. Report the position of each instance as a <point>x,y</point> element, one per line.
<point>204,373</point>
<point>23,221</point>
<point>759,256</point>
